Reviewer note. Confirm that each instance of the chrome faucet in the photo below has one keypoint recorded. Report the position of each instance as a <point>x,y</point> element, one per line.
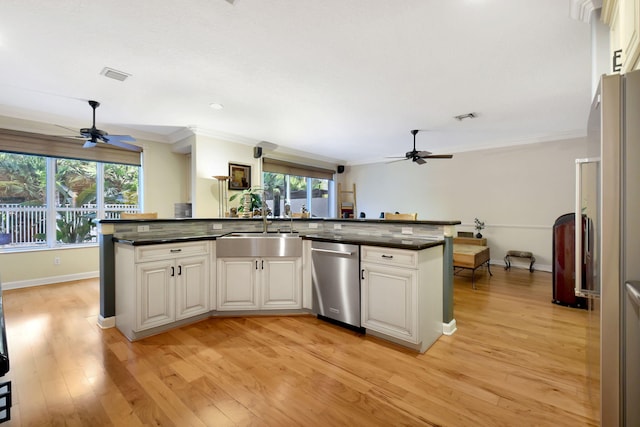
<point>265,208</point>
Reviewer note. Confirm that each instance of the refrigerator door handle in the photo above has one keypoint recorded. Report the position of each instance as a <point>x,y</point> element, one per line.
<point>633,290</point>
<point>582,247</point>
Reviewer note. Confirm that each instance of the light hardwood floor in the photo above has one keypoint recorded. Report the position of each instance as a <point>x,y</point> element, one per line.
<point>516,360</point>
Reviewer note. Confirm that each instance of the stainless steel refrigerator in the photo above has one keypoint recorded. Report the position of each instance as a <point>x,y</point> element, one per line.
<point>608,192</point>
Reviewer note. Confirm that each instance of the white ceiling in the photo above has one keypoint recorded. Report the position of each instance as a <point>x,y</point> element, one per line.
<point>341,79</point>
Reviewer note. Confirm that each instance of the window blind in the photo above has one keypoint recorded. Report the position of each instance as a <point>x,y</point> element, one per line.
<point>19,142</point>
<point>290,168</point>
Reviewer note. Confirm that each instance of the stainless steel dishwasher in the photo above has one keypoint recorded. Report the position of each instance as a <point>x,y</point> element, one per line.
<point>336,282</point>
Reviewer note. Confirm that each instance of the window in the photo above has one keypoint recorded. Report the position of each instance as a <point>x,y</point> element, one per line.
<point>75,200</point>
<point>299,193</point>
<point>53,202</point>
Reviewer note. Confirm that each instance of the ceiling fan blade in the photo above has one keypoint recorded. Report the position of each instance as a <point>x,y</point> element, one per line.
<point>423,153</point>
<point>116,140</point>
<point>89,144</point>
<point>438,156</point>
<point>398,159</point>
<point>120,138</point>
<point>419,160</point>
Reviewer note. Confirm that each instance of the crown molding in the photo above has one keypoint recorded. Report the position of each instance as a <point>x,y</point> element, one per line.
<point>581,10</point>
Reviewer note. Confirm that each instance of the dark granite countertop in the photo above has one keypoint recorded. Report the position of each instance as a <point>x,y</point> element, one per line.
<point>156,240</point>
<point>408,242</point>
<point>259,219</point>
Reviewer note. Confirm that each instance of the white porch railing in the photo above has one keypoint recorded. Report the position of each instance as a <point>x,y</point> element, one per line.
<point>27,224</point>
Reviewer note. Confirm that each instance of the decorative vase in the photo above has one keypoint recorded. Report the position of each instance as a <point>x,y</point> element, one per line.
<point>246,205</point>
<point>478,235</point>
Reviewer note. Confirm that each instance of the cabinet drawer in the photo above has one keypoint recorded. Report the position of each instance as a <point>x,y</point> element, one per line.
<point>389,256</point>
<point>171,250</point>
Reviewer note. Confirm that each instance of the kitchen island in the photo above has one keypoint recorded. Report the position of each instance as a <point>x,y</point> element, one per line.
<point>198,293</point>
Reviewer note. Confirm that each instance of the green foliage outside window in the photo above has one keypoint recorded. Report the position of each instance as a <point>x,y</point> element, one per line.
<point>23,182</point>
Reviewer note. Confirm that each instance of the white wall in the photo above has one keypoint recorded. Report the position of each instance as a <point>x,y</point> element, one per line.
<point>211,157</point>
<point>518,192</point>
<point>165,173</point>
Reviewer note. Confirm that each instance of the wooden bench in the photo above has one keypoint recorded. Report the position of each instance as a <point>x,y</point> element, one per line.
<point>519,254</point>
<point>471,253</point>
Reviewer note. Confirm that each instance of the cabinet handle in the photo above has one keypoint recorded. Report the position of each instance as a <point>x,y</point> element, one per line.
<point>362,275</point>
<point>387,256</point>
<point>173,271</point>
<point>256,264</point>
<point>173,251</point>
<point>262,266</point>
<point>179,270</point>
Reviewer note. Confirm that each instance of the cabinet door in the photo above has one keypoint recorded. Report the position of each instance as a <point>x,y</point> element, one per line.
<point>213,279</point>
<point>155,294</point>
<point>237,284</point>
<point>389,301</point>
<point>192,286</point>
<point>280,283</point>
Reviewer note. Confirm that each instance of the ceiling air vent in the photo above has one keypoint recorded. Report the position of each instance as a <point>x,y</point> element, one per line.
<point>114,74</point>
<point>461,117</point>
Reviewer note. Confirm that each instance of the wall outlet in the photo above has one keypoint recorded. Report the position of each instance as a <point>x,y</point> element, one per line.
<point>217,226</point>
<point>337,226</point>
<point>313,225</point>
<point>56,260</point>
<point>407,230</point>
<point>143,228</point>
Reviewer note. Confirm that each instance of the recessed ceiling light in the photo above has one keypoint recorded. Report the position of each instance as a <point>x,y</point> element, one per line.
<point>216,106</point>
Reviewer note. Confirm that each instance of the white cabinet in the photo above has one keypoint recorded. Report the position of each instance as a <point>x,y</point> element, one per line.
<point>307,286</point>
<point>389,300</point>
<point>155,288</point>
<point>259,283</point>
<point>192,286</point>
<point>280,283</point>
<point>401,294</point>
<point>160,284</point>
<point>213,293</point>
<point>237,284</point>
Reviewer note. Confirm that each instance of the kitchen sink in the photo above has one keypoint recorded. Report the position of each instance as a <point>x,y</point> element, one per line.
<point>259,245</point>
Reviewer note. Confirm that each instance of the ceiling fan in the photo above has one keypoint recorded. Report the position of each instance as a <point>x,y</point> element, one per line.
<point>93,135</point>
<point>420,156</point>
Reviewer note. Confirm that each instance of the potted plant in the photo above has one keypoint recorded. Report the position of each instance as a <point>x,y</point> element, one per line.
<point>479,227</point>
<point>250,200</point>
<point>5,236</point>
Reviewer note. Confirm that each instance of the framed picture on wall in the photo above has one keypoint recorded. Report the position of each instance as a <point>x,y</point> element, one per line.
<point>240,176</point>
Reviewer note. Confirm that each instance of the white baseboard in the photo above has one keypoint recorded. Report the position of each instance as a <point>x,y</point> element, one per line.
<point>524,265</point>
<point>50,280</point>
<point>449,328</point>
<point>106,322</point>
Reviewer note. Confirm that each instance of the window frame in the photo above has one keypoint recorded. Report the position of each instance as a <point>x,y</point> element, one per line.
<point>52,208</point>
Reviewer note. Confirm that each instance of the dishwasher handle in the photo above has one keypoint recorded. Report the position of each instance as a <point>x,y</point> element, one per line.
<point>633,290</point>
<point>330,251</point>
